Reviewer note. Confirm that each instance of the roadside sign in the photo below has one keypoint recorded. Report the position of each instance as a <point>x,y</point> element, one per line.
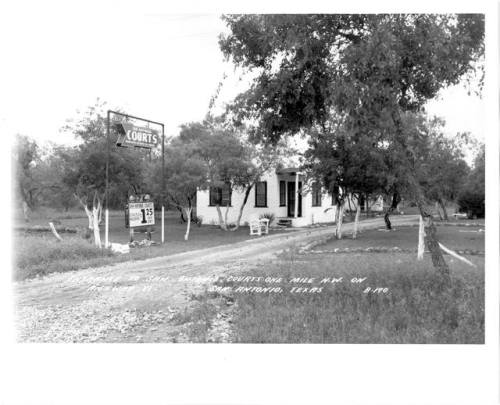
<point>136,136</point>
<point>141,214</point>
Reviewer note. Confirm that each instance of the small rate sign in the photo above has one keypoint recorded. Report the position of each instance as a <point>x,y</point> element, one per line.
<point>141,214</point>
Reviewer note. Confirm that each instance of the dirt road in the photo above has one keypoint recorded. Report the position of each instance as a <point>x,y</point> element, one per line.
<point>149,300</point>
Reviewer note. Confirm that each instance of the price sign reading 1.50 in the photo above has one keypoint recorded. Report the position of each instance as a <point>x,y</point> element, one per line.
<point>141,214</point>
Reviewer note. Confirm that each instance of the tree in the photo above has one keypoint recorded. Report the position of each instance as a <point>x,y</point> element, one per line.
<point>185,174</point>
<point>438,163</point>
<point>348,164</point>
<point>25,157</point>
<point>87,175</point>
<point>56,162</point>
<point>227,160</point>
<point>370,69</point>
<point>259,160</point>
<point>231,159</point>
<point>444,170</point>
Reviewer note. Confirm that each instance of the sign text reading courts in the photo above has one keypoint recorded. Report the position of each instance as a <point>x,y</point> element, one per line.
<point>133,135</point>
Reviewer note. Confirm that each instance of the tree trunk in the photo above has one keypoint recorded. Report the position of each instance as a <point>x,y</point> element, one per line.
<point>89,216</point>
<point>388,225</point>
<point>437,210</point>
<point>432,242</point>
<point>394,204</point>
<point>421,239</point>
<point>182,214</point>
<point>430,229</point>
<point>240,213</point>
<point>443,207</point>
<point>31,203</point>
<point>350,208</point>
<point>356,221</point>
<point>95,218</point>
<point>222,224</point>
<point>340,217</point>
<point>26,211</point>
<point>225,216</point>
<point>188,215</point>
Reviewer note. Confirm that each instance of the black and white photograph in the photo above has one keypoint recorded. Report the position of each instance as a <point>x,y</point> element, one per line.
<point>225,179</point>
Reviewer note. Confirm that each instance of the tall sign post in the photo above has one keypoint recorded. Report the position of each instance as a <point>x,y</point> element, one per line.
<point>106,197</point>
<point>131,135</point>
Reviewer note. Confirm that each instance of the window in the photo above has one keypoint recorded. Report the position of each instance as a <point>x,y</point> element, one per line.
<point>220,195</point>
<point>213,196</point>
<point>316,194</point>
<point>261,194</point>
<point>282,193</point>
<point>226,195</point>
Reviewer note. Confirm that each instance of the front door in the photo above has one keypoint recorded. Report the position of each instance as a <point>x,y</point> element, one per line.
<point>291,199</point>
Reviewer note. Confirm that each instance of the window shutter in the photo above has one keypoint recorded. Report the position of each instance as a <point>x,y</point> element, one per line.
<point>261,194</point>
<point>282,193</point>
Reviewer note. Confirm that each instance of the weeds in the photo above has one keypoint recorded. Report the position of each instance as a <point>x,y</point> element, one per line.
<point>419,307</point>
<point>41,255</point>
<point>197,320</point>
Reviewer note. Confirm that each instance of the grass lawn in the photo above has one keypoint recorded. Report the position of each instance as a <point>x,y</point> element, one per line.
<point>40,254</point>
<point>398,300</point>
<point>37,255</point>
<point>406,237</point>
<point>417,307</point>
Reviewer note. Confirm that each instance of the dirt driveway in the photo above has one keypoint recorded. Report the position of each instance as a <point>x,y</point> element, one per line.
<point>141,301</point>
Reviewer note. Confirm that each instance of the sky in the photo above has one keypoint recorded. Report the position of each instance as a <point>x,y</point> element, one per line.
<point>164,67</point>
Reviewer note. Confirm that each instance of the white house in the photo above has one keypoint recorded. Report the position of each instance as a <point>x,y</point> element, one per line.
<point>276,193</point>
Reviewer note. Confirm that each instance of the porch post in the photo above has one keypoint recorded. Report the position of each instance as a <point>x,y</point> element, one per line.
<point>296,208</point>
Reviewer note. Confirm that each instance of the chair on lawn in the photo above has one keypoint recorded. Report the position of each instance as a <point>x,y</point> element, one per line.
<point>257,225</point>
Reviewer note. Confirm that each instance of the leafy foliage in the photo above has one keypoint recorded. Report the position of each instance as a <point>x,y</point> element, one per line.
<point>343,160</point>
<point>472,197</point>
<point>86,172</point>
<point>364,66</point>
<point>25,157</point>
<point>368,69</point>
<point>185,172</point>
<point>444,170</point>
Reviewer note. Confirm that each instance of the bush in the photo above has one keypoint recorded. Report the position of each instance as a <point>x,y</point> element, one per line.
<point>268,215</point>
<point>198,220</point>
<point>472,203</point>
<point>471,198</point>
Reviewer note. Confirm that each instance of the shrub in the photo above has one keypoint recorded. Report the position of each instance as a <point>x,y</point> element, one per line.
<point>198,220</point>
<point>269,215</point>
<point>471,202</point>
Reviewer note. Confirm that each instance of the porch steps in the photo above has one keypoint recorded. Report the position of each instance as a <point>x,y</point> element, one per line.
<point>285,222</point>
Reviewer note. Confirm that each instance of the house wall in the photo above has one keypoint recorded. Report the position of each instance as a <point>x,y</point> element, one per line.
<point>320,214</point>
<point>310,215</point>
<point>209,214</point>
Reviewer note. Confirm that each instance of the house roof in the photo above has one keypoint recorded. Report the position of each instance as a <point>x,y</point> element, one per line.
<point>287,170</point>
